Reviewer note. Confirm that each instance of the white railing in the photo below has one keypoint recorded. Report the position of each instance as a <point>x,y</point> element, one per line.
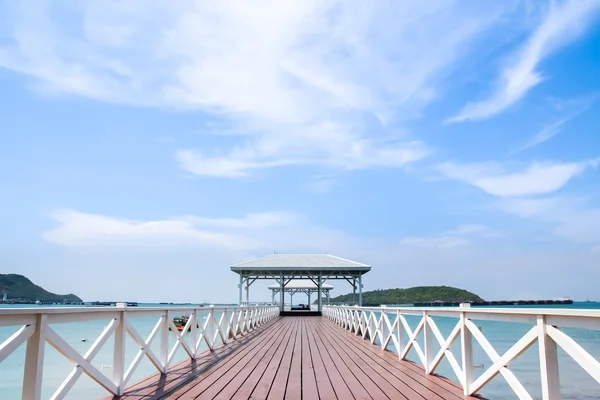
<point>220,326</point>
<point>389,326</point>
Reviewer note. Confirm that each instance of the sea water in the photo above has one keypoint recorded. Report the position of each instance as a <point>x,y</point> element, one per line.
<point>575,382</point>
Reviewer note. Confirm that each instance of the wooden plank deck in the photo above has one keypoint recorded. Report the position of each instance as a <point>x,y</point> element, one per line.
<point>296,358</point>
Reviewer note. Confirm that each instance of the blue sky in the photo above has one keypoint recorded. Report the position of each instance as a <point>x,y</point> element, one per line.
<point>147,146</point>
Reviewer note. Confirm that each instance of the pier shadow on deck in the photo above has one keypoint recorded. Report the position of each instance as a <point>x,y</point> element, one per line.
<point>296,358</point>
<point>300,313</point>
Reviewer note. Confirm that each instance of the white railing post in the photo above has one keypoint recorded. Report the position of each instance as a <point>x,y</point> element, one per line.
<point>238,322</point>
<point>466,340</point>
<point>401,336</point>
<point>194,332</point>
<point>428,337</point>
<point>548,362</point>
<point>119,353</point>
<point>34,361</point>
<point>235,320</point>
<point>210,327</point>
<point>224,326</point>
<point>164,342</point>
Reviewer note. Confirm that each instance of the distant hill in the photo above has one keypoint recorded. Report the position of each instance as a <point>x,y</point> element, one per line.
<point>411,295</point>
<point>20,287</point>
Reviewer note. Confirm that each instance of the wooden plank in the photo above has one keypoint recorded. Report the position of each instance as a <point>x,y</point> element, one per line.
<point>233,378</point>
<point>188,370</point>
<point>339,385</point>
<point>177,374</point>
<point>293,390</point>
<point>296,358</point>
<point>243,385</point>
<point>242,369</point>
<point>279,385</point>
<point>309,381</point>
<point>426,385</point>
<point>263,387</point>
<point>359,384</point>
<point>228,367</point>
<point>373,382</point>
<point>375,371</point>
<point>324,384</point>
<point>409,372</point>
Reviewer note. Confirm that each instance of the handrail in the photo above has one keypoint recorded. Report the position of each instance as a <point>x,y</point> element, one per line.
<point>396,332</point>
<point>221,325</point>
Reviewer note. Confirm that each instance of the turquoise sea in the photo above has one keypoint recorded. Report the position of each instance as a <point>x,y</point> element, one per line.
<point>575,382</point>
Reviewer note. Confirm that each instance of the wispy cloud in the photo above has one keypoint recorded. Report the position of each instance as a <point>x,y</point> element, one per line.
<point>574,219</point>
<point>543,135</point>
<point>336,150</point>
<point>555,128</point>
<point>537,178</point>
<point>298,83</point>
<point>461,236</point>
<point>249,233</point>
<point>564,22</point>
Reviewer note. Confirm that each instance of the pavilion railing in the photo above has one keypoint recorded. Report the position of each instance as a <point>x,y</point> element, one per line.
<point>389,327</point>
<point>35,329</point>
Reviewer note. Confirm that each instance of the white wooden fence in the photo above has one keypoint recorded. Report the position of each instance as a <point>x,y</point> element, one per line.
<point>221,325</point>
<point>389,326</point>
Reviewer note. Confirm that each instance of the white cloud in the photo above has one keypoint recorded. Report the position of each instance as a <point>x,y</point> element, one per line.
<point>80,229</point>
<point>527,207</point>
<point>148,256</point>
<point>300,83</point>
<point>442,242</point>
<point>537,178</point>
<point>563,23</point>
<point>340,152</point>
<point>461,236</point>
<point>253,232</point>
<point>574,219</point>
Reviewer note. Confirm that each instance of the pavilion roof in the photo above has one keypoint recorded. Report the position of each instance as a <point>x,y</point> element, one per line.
<point>292,264</point>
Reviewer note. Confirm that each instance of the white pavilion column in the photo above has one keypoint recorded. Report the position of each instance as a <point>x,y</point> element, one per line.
<point>247,290</point>
<point>272,295</point>
<point>319,293</point>
<point>241,285</point>
<point>281,287</point>
<point>360,290</point>
<point>291,299</point>
<point>309,293</point>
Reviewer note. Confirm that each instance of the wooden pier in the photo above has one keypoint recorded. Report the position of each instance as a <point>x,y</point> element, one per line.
<point>253,352</point>
<point>296,358</point>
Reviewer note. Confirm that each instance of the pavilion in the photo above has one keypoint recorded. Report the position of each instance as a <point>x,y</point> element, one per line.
<point>284,268</point>
<point>305,286</point>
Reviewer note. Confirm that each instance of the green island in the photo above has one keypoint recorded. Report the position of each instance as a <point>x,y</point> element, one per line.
<point>19,288</point>
<point>411,295</point>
